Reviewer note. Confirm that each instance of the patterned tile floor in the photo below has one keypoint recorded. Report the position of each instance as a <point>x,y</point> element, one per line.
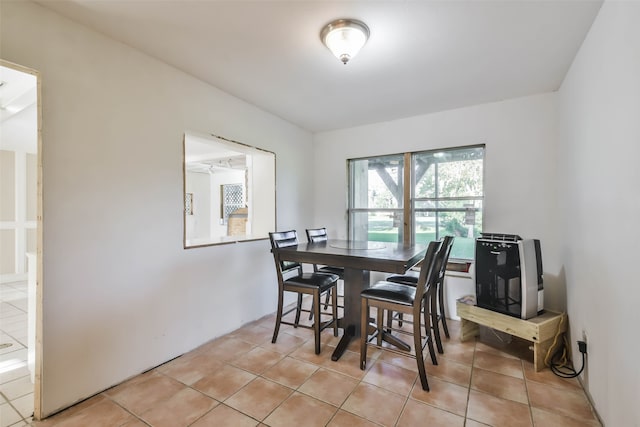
<point>241,379</point>
<point>16,389</point>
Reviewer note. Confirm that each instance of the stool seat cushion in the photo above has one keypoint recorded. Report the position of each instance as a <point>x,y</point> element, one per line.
<point>410,278</point>
<point>332,270</point>
<point>392,292</point>
<point>313,280</point>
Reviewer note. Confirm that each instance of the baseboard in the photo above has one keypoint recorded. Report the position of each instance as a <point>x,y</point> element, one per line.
<point>586,392</point>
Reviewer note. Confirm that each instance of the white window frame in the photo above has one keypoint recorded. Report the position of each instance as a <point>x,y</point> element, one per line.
<point>407,207</point>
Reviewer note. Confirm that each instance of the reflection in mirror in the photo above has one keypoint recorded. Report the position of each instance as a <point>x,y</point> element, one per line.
<point>229,191</point>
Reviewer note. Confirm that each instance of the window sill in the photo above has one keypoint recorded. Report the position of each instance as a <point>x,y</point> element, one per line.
<point>460,268</point>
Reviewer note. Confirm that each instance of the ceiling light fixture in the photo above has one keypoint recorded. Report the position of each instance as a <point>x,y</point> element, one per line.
<point>345,37</point>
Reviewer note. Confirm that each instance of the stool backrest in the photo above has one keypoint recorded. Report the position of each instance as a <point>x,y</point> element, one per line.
<point>430,269</point>
<point>447,244</point>
<point>284,239</point>
<point>315,235</point>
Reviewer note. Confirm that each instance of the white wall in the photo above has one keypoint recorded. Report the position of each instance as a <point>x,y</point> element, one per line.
<point>599,148</point>
<point>198,224</point>
<point>261,181</point>
<point>121,295</point>
<point>520,168</point>
<point>18,188</point>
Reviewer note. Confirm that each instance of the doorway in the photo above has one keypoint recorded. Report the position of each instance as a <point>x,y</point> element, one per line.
<point>20,242</point>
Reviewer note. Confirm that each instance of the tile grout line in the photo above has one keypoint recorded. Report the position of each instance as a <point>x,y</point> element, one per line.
<point>526,387</point>
<point>115,402</point>
<point>473,360</point>
<point>293,390</point>
<point>24,419</point>
<point>18,316</point>
<point>289,353</point>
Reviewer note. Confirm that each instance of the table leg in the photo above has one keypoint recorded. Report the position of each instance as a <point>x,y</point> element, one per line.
<point>355,281</point>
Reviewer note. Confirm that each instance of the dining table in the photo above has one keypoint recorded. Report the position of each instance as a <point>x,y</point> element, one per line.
<point>358,258</point>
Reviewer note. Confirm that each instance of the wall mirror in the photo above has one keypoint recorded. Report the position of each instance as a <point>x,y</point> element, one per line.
<point>229,191</point>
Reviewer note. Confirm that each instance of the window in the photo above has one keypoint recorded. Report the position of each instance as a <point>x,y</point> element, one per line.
<point>232,199</point>
<point>444,197</point>
<point>376,199</point>
<point>229,191</point>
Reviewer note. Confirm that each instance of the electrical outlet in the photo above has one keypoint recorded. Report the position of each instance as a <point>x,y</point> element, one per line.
<point>582,347</point>
<point>584,335</point>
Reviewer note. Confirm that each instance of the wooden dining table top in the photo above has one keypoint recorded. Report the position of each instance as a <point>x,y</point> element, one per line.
<point>387,257</point>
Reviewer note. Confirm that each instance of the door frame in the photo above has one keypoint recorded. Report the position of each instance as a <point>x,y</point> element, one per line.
<point>37,390</point>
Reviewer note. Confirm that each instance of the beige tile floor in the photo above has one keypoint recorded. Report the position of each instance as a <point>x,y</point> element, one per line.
<point>241,379</point>
<point>16,389</point>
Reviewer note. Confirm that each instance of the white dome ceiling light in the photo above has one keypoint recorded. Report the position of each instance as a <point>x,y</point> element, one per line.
<point>345,38</point>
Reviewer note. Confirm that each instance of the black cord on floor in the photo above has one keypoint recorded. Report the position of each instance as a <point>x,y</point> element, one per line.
<point>559,363</point>
<point>561,368</point>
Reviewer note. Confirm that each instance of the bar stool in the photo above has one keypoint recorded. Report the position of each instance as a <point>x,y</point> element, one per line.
<point>291,278</point>
<point>315,235</point>
<point>398,298</point>
<point>438,314</point>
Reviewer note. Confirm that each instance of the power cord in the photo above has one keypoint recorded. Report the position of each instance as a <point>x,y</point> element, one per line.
<point>559,361</point>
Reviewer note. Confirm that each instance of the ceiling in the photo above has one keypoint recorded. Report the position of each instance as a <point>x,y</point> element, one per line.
<point>18,112</point>
<point>18,91</point>
<point>421,57</point>
<point>207,154</point>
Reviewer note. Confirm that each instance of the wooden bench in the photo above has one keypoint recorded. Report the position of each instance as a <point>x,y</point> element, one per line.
<point>540,330</point>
